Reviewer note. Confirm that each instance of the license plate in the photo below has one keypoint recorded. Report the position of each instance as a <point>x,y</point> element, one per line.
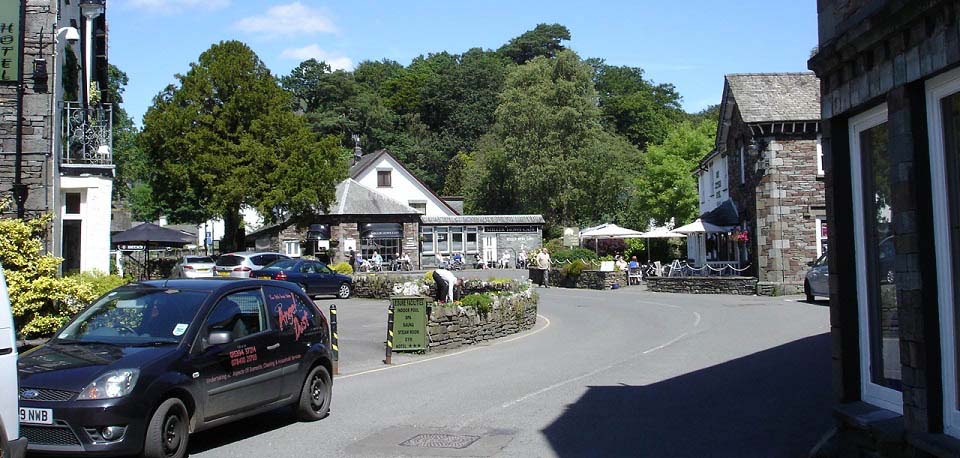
<point>223,274</point>
<point>202,270</point>
<point>36,416</point>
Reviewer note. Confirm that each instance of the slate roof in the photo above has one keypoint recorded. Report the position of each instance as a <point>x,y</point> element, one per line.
<point>356,199</point>
<point>775,97</point>
<point>365,162</point>
<point>483,219</point>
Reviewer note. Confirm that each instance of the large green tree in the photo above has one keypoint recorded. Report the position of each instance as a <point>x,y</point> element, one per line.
<point>547,152</point>
<point>227,138</point>
<point>634,107</point>
<point>126,153</point>
<point>543,41</point>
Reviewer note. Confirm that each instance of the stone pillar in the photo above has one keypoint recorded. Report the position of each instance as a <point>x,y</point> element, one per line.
<point>411,243</point>
<point>340,233</point>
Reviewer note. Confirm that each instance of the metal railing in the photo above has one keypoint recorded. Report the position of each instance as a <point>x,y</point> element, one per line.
<point>87,134</point>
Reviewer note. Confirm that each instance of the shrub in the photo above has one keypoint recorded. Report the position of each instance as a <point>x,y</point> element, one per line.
<point>342,267</point>
<point>572,254</point>
<point>480,302</point>
<point>574,269</point>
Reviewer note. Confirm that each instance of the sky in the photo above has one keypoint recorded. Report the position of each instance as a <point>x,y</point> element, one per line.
<point>689,43</point>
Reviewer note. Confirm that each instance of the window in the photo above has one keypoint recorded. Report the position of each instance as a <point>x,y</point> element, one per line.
<point>419,206</point>
<point>875,258</point>
<point>456,239</point>
<point>291,248</point>
<point>743,166</point>
<point>472,240</point>
<point>821,229</point>
<point>384,179</point>
<point>443,240</point>
<point>819,157</point>
<point>290,313</point>
<point>72,201</point>
<point>943,115</point>
<point>241,313</point>
<point>426,234</point>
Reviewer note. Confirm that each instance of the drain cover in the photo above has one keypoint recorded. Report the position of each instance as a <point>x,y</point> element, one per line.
<point>440,441</point>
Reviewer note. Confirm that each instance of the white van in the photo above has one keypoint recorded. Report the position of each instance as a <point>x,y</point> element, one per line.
<point>11,444</point>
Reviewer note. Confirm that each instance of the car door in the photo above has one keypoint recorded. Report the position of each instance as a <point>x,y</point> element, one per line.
<point>328,279</point>
<point>307,276</point>
<point>295,317</point>
<point>234,375</point>
<point>820,277</point>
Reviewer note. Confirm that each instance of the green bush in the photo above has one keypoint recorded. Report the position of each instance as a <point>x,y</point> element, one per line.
<point>342,267</point>
<point>572,254</point>
<point>480,302</point>
<point>574,269</point>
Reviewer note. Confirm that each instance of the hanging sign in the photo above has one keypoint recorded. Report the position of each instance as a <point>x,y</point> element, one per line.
<point>10,39</point>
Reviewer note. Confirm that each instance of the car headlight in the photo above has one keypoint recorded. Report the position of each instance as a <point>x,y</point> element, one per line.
<point>113,384</point>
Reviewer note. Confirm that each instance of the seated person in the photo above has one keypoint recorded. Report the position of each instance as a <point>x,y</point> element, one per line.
<point>633,264</point>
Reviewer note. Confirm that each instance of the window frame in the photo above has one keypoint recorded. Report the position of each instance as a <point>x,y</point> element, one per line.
<point>937,89</point>
<point>870,392</point>
<point>381,183</point>
<point>820,171</point>
<point>287,243</point>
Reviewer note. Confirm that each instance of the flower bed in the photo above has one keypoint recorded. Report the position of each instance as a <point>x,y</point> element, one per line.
<point>586,279</point>
<point>454,325</point>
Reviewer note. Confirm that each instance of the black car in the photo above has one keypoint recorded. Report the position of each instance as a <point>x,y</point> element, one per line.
<point>313,276</point>
<point>150,362</point>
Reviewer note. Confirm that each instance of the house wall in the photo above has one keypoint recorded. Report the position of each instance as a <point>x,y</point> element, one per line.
<point>404,187</point>
<point>96,195</point>
<point>871,53</point>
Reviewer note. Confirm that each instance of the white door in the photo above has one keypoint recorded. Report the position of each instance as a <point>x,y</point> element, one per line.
<point>490,248</point>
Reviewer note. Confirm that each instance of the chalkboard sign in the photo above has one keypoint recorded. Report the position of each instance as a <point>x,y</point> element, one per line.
<point>409,323</point>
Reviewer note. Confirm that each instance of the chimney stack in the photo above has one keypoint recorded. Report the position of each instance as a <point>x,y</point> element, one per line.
<point>357,151</point>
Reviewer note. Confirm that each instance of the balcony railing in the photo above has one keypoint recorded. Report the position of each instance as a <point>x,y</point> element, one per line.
<point>87,134</point>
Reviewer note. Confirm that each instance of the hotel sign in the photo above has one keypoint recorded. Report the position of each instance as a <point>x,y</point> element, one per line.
<point>10,15</point>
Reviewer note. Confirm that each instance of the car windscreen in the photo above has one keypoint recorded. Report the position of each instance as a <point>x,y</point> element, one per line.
<point>283,264</point>
<point>229,260</point>
<point>135,316</point>
<point>199,260</point>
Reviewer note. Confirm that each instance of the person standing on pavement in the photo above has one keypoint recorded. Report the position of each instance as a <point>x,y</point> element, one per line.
<point>353,259</point>
<point>543,263</point>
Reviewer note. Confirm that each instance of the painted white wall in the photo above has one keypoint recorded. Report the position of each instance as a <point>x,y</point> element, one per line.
<point>714,184</point>
<point>404,187</point>
<point>96,193</point>
<point>251,220</point>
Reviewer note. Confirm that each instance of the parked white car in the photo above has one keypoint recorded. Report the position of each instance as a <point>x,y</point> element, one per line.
<point>11,444</point>
<point>817,282</point>
<point>242,263</point>
<point>193,267</point>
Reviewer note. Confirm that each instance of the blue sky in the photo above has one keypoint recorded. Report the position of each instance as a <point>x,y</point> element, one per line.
<point>690,43</point>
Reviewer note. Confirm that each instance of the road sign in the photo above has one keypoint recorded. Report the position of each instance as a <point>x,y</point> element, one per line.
<point>409,323</point>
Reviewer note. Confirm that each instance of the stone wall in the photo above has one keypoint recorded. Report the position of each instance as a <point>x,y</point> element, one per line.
<point>588,279</point>
<point>451,328</point>
<point>746,286</point>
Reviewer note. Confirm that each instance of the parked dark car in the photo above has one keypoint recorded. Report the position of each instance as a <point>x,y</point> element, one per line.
<point>148,363</point>
<point>313,276</point>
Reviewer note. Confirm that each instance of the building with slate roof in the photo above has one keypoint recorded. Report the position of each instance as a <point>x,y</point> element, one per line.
<point>763,181</point>
<point>382,207</point>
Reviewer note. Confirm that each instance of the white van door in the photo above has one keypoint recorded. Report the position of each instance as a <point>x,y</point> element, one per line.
<point>9,400</point>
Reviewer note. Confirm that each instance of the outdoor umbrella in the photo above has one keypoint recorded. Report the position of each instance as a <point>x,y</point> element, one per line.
<point>660,233</point>
<point>609,231</point>
<point>702,226</point>
<point>148,234</point>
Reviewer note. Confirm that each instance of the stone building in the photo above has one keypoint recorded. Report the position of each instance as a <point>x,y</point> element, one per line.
<point>890,85</point>
<point>55,127</point>
<point>762,185</point>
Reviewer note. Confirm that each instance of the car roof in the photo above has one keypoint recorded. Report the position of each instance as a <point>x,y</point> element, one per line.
<point>210,285</point>
<point>251,253</point>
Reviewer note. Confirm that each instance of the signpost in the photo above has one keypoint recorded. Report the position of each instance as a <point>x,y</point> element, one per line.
<point>410,323</point>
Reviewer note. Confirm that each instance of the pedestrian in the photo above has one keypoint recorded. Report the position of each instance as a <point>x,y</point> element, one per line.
<point>522,259</point>
<point>543,262</point>
<point>377,261</point>
<point>353,260</point>
<point>445,281</point>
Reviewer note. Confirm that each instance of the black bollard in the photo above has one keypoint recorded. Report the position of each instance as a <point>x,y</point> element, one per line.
<point>389,335</point>
<point>334,339</point>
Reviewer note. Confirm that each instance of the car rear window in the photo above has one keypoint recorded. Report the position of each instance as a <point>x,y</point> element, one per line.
<point>283,264</point>
<point>200,259</point>
<point>229,260</point>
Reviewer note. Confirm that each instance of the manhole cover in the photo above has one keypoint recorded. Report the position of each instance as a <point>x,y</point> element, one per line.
<point>440,441</point>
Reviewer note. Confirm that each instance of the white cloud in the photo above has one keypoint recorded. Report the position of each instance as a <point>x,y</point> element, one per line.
<point>287,20</point>
<point>335,61</point>
<point>177,6</point>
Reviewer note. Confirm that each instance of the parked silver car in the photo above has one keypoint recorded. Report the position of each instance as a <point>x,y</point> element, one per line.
<point>193,267</point>
<point>817,282</point>
<point>240,264</point>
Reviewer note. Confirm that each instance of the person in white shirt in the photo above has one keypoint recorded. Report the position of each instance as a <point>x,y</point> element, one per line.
<point>543,262</point>
<point>505,260</point>
<point>445,282</point>
<point>522,259</point>
<point>377,261</point>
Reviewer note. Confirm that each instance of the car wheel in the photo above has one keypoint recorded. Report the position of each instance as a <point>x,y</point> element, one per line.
<point>344,291</point>
<point>808,291</point>
<point>168,431</point>
<point>315,395</point>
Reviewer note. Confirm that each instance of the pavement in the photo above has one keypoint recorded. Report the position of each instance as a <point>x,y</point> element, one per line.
<point>603,373</point>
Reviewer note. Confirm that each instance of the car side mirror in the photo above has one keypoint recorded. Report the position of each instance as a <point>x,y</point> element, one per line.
<point>811,263</point>
<point>219,338</point>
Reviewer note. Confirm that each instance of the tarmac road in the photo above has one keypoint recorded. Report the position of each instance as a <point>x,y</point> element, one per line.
<point>604,373</point>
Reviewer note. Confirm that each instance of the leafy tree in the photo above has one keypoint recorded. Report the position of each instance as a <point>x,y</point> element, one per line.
<point>543,41</point>
<point>226,138</point>
<point>454,179</point>
<point>710,113</point>
<point>126,154</point>
<point>634,107</point>
<point>375,74</point>
<point>547,152</point>
<point>665,187</point>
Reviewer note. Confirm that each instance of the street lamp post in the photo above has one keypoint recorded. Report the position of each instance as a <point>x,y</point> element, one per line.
<point>90,9</point>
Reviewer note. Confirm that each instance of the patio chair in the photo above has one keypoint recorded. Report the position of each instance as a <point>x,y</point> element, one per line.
<point>634,276</point>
